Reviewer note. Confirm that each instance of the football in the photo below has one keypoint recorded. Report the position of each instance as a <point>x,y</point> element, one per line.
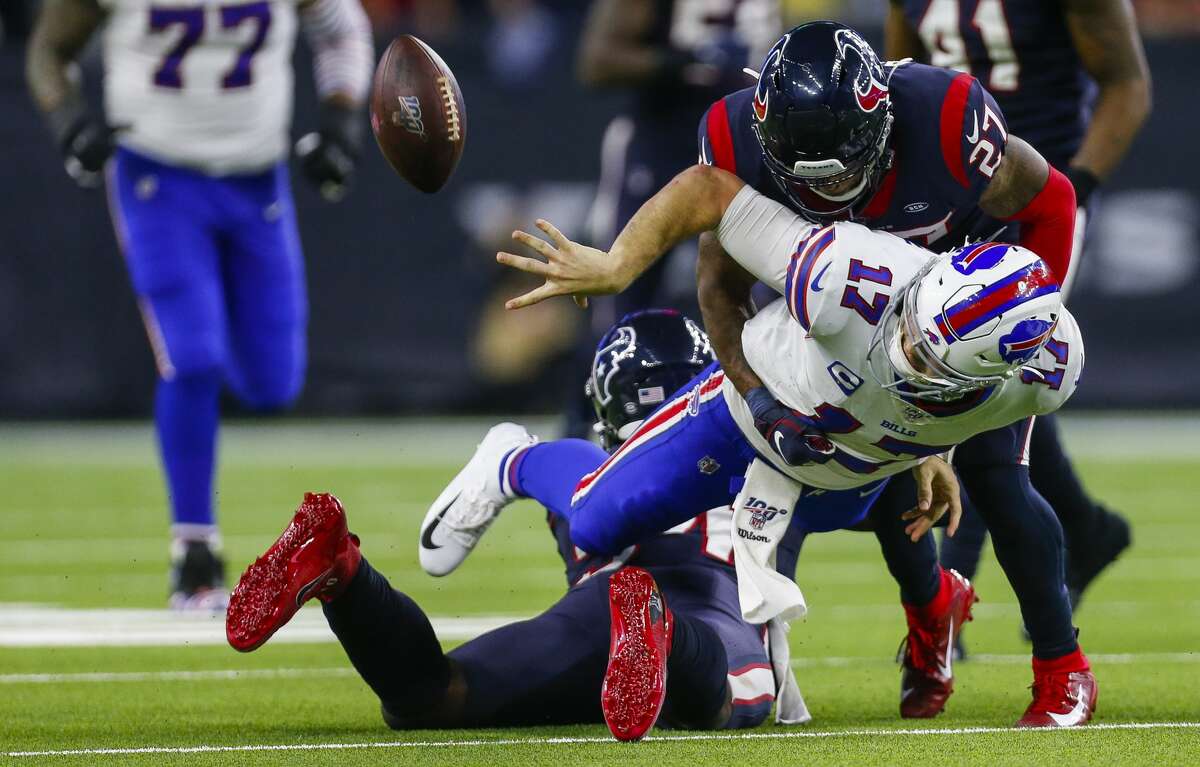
<point>417,113</point>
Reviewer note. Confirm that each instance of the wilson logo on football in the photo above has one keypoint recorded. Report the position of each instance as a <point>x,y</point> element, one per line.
<point>409,115</point>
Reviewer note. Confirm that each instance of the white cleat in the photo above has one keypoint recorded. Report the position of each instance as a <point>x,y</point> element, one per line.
<point>471,502</point>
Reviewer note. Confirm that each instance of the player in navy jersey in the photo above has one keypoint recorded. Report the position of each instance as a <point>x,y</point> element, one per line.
<point>552,669</point>
<point>1042,61</point>
<point>672,58</point>
<point>194,139</point>
<point>922,152</point>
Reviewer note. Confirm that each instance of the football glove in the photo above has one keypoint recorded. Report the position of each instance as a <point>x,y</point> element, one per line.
<point>328,155</point>
<point>791,434</point>
<point>85,141</point>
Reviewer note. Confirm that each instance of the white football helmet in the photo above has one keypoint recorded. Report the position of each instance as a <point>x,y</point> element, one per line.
<point>969,320</point>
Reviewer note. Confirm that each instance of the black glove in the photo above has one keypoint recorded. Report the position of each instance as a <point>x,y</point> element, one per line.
<point>793,435</point>
<point>1085,182</point>
<point>327,156</point>
<point>85,141</point>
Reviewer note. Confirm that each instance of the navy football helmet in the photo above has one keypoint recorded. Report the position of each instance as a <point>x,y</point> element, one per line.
<point>822,115</point>
<point>641,361</point>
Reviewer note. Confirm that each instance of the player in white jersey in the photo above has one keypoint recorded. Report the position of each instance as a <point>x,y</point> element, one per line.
<point>198,104</point>
<point>887,356</point>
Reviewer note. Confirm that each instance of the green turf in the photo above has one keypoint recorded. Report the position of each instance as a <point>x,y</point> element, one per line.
<point>84,526</point>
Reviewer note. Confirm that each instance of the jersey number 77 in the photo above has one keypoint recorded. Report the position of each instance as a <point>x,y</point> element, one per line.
<point>191,20</point>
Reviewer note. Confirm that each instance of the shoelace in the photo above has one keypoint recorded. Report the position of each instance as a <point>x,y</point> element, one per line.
<point>922,661</point>
<point>1050,694</point>
<point>477,514</point>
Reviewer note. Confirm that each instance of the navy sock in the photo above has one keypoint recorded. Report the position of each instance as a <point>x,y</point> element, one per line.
<point>389,640</point>
<point>963,551</point>
<point>549,471</point>
<point>185,414</point>
<point>696,674</point>
<point>913,565</point>
<point>1028,542</point>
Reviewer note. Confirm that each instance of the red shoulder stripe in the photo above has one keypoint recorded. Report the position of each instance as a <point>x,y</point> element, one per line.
<point>954,109</point>
<point>720,138</point>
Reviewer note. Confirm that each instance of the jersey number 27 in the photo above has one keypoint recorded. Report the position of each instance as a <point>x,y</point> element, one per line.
<point>190,18</point>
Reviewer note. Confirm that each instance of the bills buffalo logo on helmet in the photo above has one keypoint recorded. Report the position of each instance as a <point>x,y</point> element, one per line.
<point>869,91</point>
<point>761,512</point>
<point>981,255</point>
<point>1025,340</point>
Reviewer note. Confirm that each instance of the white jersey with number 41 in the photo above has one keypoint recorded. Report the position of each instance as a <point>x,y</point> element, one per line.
<point>810,347</point>
<point>205,84</point>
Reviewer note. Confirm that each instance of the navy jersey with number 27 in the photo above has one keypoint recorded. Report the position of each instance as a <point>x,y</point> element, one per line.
<point>947,140</point>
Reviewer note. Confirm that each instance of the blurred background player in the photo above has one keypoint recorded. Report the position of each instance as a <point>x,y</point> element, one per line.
<point>1072,80</point>
<point>672,58</point>
<point>198,102</point>
<point>552,668</point>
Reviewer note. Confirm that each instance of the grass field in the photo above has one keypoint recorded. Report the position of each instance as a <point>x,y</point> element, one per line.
<point>84,527</point>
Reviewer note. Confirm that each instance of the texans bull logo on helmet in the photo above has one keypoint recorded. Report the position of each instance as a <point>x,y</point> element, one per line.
<point>869,91</point>
<point>608,361</point>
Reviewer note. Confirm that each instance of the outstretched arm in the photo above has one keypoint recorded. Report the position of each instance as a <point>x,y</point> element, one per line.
<point>693,202</point>
<point>723,288</point>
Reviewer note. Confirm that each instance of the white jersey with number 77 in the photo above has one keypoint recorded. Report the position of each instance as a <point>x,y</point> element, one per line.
<point>205,84</point>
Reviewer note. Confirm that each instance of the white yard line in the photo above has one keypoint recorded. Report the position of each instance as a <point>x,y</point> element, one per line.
<point>481,743</point>
<point>45,626</point>
<point>331,672</point>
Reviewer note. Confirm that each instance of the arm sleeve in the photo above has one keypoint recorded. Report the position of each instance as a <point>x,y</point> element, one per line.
<point>343,52</point>
<point>1048,224</point>
<point>761,235</point>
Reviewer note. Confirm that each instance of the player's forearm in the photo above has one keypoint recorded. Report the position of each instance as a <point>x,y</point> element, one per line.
<point>1120,111</point>
<point>62,30</point>
<point>693,202</point>
<point>1104,33</point>
<point>723,288</point>
<point>339,34</point>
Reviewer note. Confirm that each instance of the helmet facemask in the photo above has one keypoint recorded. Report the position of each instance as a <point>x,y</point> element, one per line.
<point>810,184</point>
<point>903,362</point>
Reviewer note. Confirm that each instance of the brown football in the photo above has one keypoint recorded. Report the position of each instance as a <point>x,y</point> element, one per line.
<point>417,113</point>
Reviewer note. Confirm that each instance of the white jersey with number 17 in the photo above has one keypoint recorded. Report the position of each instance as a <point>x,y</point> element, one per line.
<point>810,347</point>
<point>204,84</point>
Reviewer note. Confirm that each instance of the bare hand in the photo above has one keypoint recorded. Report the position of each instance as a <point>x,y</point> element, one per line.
<point>937,493</point>
<point>569,269</point>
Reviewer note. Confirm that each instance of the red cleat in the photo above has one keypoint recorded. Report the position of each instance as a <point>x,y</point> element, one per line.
<point>1064,693</point>
<point>927,653</point>
<point>635,684</point>
<point>314,557</point>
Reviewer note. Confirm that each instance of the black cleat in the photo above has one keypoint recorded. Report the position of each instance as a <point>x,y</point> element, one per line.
<point>197,577</point>
<point>1106,541</point>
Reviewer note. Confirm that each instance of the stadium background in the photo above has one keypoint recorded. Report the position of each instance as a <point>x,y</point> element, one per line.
<point>406,321</point>
<point>404,290</point>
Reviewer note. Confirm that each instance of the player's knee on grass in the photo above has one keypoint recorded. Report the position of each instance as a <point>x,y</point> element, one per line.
<point>429,708</point>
